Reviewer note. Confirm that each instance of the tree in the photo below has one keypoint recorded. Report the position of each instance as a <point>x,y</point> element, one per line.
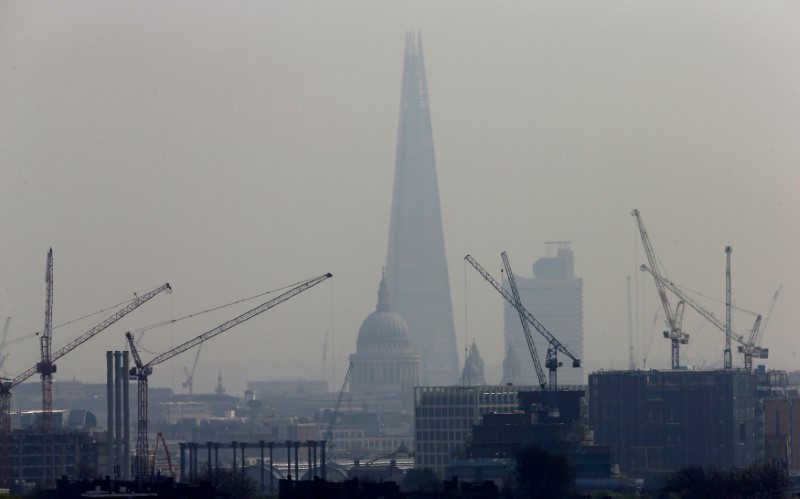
<point>236,485</point>
<point>759,481</point>
<point>541,474</point>
<point>421,479</point>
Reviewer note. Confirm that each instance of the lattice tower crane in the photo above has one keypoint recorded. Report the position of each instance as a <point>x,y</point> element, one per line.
<point>7,385</point>
<point>674,318</point>
<point>747,348</point>
<point>752,347</point>
<point>727,357</point>
<point>189,383</point>
<point>332,422</point>
<point>143,371</point>
<point>45,367</point>
<point>525,327</point>
<point>631,356</point>
<point>3,354</point>
<point>553,342</point>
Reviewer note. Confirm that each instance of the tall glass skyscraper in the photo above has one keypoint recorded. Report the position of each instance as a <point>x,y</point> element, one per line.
<point>416,266</point>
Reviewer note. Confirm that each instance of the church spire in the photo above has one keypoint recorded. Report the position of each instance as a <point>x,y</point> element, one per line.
<point>384,298</point>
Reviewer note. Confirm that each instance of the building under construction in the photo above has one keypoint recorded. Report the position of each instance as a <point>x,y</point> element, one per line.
<point>662,421</point>
<point>38,457</point>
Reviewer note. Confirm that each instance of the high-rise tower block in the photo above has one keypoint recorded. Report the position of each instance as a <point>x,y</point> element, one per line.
<point>416,266</point>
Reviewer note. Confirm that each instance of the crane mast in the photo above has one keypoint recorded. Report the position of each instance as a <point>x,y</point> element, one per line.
<point>525,328</point>
<point>3,354</point>
<point>675,335</point>
<point>45,367</point>
<point>332,422</point>
<point>189,383</point>
<point>631,356</point>
<point>748,348</point>
<point>142,371</point>
<point>554,343</point>
<point>728,360</point>
<point>752,348</point>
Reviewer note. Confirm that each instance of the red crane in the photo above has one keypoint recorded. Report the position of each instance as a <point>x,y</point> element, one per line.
<point>142,371</point>
<point>7,385</point>
<point>160,437</point>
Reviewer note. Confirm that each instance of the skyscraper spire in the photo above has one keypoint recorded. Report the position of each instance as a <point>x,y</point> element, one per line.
<point>416,266</point>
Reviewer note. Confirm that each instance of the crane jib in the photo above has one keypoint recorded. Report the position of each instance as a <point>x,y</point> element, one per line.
<point>238,320</point>
<point>576,362</point>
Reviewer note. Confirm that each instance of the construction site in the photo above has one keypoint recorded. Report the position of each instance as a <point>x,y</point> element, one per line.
<point>36,453</point>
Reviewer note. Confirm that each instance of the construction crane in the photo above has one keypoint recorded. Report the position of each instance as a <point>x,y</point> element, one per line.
<point>160,437</point>
<point>45,367</point>
<point>745,347</point>
<point>4,355</point>
<point>631,356</point>
<point>674,318</point>
<point>143,371</point>
<point>727,357</point>
<point>7,385</point>
<point>324,355</point>
<point>335,413</point>
<point>555,345</point>
<point>752,348</point>
<point>526,328</point>
<point>189,383</point>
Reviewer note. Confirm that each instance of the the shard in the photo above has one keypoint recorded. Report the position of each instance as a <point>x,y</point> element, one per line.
<point>416,264</point>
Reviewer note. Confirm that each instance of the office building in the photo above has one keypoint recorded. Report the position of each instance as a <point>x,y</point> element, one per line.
<point>554,296</point>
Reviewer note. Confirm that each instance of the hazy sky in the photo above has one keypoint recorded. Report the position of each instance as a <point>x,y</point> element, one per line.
<point>231,148</point>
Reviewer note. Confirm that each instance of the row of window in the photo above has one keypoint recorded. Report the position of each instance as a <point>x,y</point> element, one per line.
<point>441,423</point>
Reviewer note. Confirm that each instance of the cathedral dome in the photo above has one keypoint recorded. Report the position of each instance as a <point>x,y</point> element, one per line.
<point>383,324</point>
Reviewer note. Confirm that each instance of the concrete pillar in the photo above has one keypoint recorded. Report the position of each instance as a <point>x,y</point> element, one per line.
<point>308,454</point>
<point>271,471</point>
<point>126,418</point>
<point>322,459</point>
<point>243,464</point>
<point>191,462</point>
<point>210,474</point>
<point>233,446</point>
<point>110,415</point>
<point>183,463</point>
<point>117,412</point>
<point>216,456</point>
<point>261,445</point>
<point>289,459</point>
<point>196,448</point>
<point>297,460</point>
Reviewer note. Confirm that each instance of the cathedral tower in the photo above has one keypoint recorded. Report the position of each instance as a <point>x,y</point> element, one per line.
<point>416,265</point>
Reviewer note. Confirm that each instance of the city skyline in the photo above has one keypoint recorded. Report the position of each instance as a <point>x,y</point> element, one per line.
<point>233,154</point>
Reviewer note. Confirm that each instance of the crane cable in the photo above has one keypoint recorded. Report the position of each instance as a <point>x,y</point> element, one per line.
<point>195,314</point>
<point>37,333</point>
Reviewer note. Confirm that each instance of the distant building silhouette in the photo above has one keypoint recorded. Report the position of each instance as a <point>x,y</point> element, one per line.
<point>385,366</point>
<point>473,368</point>
<point>511,366</point>
<point>555,297</point>
<point>416,267</point>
